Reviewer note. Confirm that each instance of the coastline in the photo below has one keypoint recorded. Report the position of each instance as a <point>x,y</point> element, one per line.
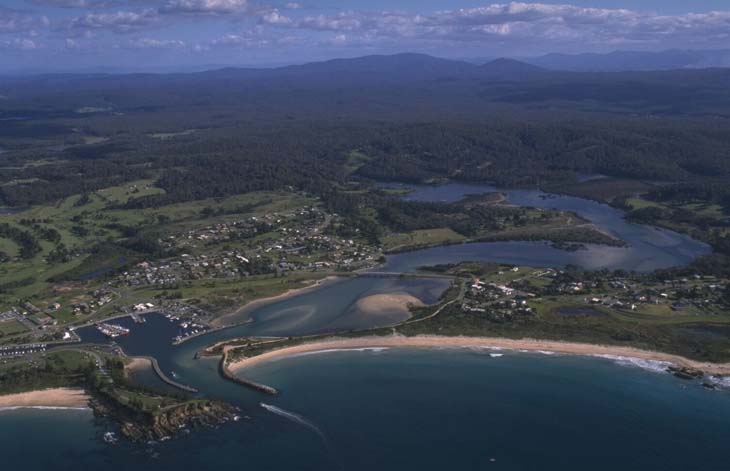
<point>56,398</point>
<point>138,363</point>
<point>528,345</point>
<point>219,322</point>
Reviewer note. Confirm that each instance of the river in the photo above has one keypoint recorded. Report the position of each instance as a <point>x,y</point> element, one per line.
<point>649,248</point>
<point>403,409</point>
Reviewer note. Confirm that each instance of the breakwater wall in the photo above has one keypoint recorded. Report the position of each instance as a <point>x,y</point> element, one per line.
<point>227,374</point>
<point>167,379</point>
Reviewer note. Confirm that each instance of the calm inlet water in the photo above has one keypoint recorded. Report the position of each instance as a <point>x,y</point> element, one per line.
<point>413,409</point>
<point>648,249</point>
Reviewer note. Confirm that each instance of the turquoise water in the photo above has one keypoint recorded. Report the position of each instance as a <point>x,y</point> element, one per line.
<point>420,409</point>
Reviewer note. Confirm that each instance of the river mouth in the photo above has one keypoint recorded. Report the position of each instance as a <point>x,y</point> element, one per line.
<point>398,407</point>
<point>337,306</point>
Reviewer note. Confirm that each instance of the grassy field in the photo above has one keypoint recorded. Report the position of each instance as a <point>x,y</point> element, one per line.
<point>11,327</point>
<point>710,210</point>
<point>222,296</point>
<point>604,190</point>
<point>425,237</point>
<point>713,214</point>
<point>93,222</point>
<point>68,359</point>
<point>354,160</point>
<point>169,135</point>
<point>553,226</point>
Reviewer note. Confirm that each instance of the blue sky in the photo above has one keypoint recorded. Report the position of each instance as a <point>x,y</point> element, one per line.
<point>81,34</point>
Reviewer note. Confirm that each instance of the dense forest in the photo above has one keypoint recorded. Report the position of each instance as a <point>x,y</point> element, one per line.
<point>315,158</point>
<point>330,129</point>
<point>409,117</point>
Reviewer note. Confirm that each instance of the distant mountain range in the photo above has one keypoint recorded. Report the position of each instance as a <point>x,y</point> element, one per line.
<point>401,86</point>
<point>617,61</point>
<point>620,61</point>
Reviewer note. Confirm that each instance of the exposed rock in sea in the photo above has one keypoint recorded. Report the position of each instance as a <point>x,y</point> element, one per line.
<point>684,372</point>
<point>162,425</point>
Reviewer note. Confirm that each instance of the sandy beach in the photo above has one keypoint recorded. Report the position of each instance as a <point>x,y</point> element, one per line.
<point>138,363</point>
<point>58,397</point>
<point>485,342</point>
<point>382,303</point>
<point>231,318</point>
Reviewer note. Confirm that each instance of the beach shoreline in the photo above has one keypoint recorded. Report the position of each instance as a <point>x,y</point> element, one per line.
<point>496,343</point>
<point>55,398</point>
<point>137,364</point>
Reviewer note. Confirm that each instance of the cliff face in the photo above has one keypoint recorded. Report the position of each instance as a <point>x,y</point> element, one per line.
<point>172,421</point>
<point>142,426</point>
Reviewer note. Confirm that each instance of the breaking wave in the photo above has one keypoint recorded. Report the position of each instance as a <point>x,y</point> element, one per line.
<point>648,365</point>
<point>538,352</point>
<point>720,381</point>
<point>339,350</point>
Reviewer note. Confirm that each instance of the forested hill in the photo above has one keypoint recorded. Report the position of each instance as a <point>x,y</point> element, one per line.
<point>317,126</point>
<point>404,86</point>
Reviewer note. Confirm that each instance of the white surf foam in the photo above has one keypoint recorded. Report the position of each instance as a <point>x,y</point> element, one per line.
<point>339,350</point>
<point>720,381</point>
<point>649,365</point>
<point>294,417</point>
<point>10,408</point>
<point>541,352</point>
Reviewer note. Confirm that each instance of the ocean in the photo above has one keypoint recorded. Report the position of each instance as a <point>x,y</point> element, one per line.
<point>417,409</point>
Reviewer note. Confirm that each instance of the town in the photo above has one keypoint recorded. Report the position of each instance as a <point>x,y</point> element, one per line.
<point>513,294</point>
<point>271,246</point>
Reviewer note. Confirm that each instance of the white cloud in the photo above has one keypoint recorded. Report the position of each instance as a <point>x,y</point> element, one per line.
<point>119,22</point>
<point>20,44</point>
<point>148,43</point>
<point>242,41</point>
<point>273,17</point>
<point>516,27</point>
<point>339,40</point>
<point>215,7</point>
<point>345,21</point>
<point>256,39</point>
<point>72,3</point>
<point>534,24</point>
<point>13,21</point>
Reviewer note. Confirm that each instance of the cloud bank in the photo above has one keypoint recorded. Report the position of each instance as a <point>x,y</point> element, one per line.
<point>515,28</point>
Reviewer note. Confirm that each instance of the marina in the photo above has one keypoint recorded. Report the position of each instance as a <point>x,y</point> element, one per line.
<point>112,331</point>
